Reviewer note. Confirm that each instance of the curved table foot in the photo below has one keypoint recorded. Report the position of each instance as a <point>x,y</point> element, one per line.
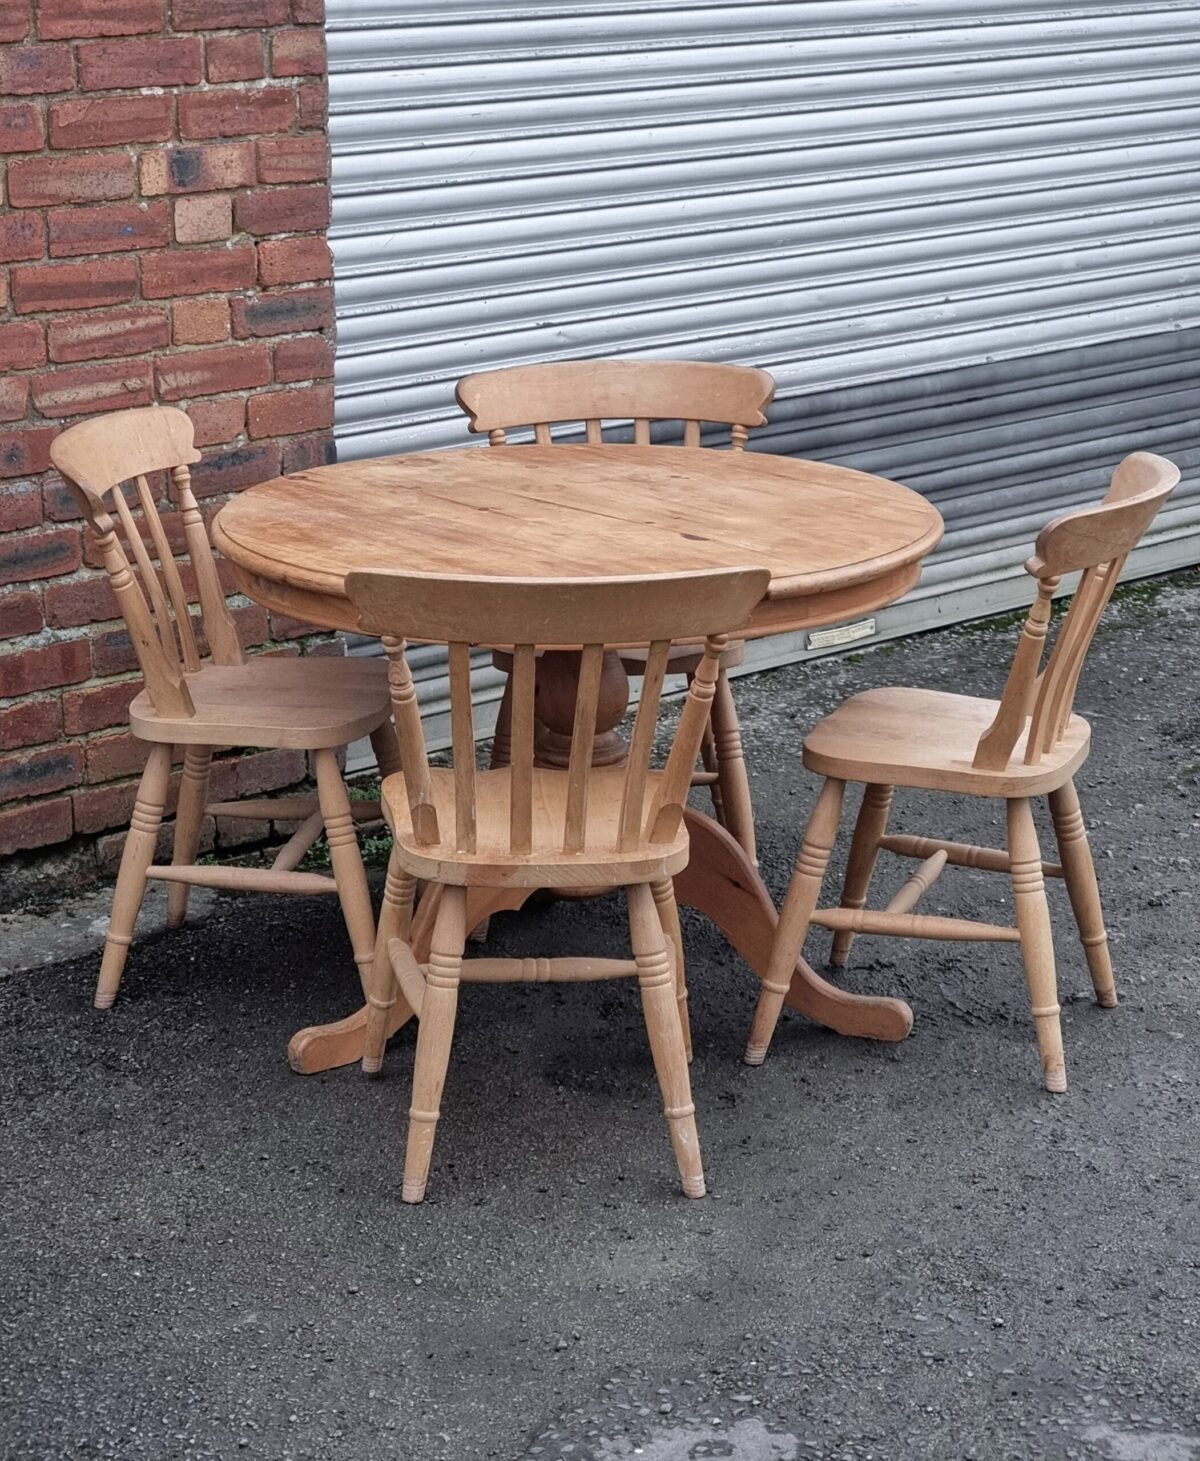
<point>321,1047</point>
<point>721,882</point>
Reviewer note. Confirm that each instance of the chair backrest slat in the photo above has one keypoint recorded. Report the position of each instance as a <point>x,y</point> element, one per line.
<point>584,619</point>
<point>641,745</point>
<point>97,458</point>
<point>1094,541</point>
<point>223,641</point>
<point>667,811</point>
<point>524,688</point>
<point>583,739</point>
<point>1060,679</point>
<point>411,735</point>
<point>163,672</point>
<point>996,743</point>
<point>1065,695</point>
<point>462,731</point>
<point>170,575</point>
<point>151,586</point>
<point>595,391</point>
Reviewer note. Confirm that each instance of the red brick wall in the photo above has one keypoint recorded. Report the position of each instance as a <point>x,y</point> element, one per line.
<point>160,245</point>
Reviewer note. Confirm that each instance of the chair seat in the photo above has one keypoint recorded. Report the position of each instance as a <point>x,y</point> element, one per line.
<point>305,704</point>
<point>546,865</point>
<point>925,738</point>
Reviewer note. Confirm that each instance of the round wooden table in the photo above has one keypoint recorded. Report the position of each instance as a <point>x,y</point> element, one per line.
<point>838,544</point>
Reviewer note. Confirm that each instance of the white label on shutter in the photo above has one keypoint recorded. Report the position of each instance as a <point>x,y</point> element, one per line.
<point>841,634</point>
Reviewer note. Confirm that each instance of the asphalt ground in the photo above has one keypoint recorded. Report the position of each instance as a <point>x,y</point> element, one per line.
<point>907,1251</point>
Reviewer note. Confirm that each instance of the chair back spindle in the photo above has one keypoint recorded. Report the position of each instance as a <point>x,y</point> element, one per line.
<point>411,735</point>
<point>169,570</point>
<point>667,810</point>
<point>523,730</point>
<point>587,616</point>
<point>596,391</point>
<point>462,728</point>
<point>633,794</point>
<point>1094,542</point>
<point>97,459</point>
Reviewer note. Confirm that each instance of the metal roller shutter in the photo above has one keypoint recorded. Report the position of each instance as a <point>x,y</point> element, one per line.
<point>961,237</point>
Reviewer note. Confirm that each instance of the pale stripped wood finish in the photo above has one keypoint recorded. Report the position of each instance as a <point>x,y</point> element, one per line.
<point>195,701</point>
<point>600,511</point>
<point>958,854</point>
<point>592,392</point>
<point>523,825</point>
<point>584,511</point>
<point>1029,743</point>
<point>595,392</point>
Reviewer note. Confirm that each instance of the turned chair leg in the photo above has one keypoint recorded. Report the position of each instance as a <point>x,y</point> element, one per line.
<point>189,814</point>
<point>1079,873</point>
<point>666,1038</point>
<point>731,768</point>
<point>798,909</point>
<point>864,851</point>
<point>1037,944</point>
<point>348,871</point>
<point>434,1035</point>
<point>131,879</point>
<point>386,747</point>
<point>395,921</point>
<point>668,917</point>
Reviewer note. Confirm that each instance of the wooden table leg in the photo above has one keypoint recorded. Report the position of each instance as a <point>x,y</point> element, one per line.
<point>321,1047</point>
<point>722,883</point>
<point>557,687</point>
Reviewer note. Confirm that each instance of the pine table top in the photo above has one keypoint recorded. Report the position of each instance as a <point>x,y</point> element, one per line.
<point>836,541</point>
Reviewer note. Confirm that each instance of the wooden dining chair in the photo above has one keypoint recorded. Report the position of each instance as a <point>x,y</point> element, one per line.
<point>583,827</point>
<point>200,696</point>
<point>593,392</point>
<point>1027,744</point>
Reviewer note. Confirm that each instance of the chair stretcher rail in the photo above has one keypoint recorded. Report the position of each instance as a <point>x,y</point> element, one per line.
<point>912,925</point>
<point>245,879</point>
<point>958,854</point>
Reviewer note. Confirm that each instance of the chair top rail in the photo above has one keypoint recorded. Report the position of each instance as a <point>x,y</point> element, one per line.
<point>99,454</point>
<point>97,458</point>
<point>1091,536</point>
<point>1093,541</point>
<point>593,391</point>
<point>565,612</point>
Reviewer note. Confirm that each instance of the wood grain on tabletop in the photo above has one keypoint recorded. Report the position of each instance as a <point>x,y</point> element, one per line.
<point>581,510</point>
